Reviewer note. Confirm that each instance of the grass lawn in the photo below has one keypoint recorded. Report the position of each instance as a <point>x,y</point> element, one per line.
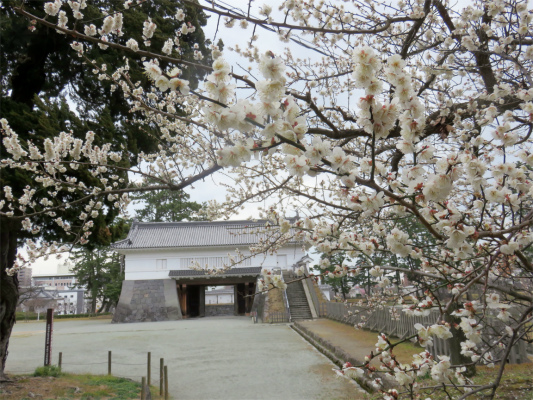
<point>516,384</point>
<point>70,386</point>
<point>275,302</point>
<point>345,336</point>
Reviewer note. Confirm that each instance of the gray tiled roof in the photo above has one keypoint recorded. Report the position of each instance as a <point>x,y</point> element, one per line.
<point>231,272</point>
<point>149,235</point>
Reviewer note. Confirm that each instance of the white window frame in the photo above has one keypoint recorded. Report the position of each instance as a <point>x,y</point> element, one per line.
<point>161,264</point>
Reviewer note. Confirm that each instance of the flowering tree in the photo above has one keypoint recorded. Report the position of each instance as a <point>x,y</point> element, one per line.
<point>37,72</point>
<point>417,110</point>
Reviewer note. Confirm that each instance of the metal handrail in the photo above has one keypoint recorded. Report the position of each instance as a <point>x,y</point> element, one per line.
<point>287,307</point>
<point>258,304</point>
<point>310,286</point>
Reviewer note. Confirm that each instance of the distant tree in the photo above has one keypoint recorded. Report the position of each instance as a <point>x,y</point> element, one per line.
<point>331,268</point>
<point>98,269</point>
<point>166,206</point>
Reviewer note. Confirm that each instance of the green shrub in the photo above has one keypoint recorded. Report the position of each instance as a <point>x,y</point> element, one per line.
<point>21,316</point>
<point>48,370</point>
<point>30,316</point>
<point>67,316</point>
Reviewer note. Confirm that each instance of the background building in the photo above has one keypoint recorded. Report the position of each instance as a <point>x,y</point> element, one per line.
<point>59,291</point>
<point>24,277</point>
<point>169,265</point>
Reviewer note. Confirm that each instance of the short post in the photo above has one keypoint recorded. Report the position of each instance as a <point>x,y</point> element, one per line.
<point>161,376</point>
<point>48,337</point>
<point>166,382</point>
<point>149,368</point>
<point>143,385</point>
<point>60,361</point>
<point>109,362</point>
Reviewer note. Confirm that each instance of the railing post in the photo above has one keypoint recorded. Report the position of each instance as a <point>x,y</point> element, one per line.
<point>149,368</point>
<point>161,375</point>
<point>166,382</point>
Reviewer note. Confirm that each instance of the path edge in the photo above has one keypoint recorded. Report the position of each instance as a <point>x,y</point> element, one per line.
<point>338,356</point>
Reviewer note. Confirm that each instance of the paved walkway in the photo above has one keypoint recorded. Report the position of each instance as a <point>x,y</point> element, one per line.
<point>207,358</point>
<point>356,343</point>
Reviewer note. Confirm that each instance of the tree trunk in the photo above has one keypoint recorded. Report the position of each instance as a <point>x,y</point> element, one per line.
<point>456,358</point>
<point>94,293</point>
<point>104,307</point>
<point>9,290</point>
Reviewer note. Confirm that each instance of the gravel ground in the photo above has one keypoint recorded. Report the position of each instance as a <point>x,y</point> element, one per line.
<point>207,358</point>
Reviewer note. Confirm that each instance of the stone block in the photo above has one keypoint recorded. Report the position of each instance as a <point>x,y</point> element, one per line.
<point>148,300</point>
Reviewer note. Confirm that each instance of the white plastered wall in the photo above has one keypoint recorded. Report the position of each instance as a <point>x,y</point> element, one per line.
<point>143,264</point>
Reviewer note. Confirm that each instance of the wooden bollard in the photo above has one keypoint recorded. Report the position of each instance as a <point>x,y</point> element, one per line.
<point>149,368</point>
<point>143,385</point>
<point>60,360</point>
<point>161,375</point>
<point>166,382</point>
<point>109,362</point>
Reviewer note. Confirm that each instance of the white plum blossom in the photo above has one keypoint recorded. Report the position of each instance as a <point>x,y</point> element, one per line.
<point>149,28</point>
<point>266,10</point>
<point>162,83</point>
<point>180,85</point>
<point>77,46</point>
<point>437,187</point>
<point>441,371</point>
<point>424,335</point>
<point>180,14</point>
<point>107,25</point>
<point>90,30</point>
<point>132,44</point>
<point>234,155</point>
<point>297,165</point>
<point>52,8</point>
<point>271,67</point>
<point>441,331</point>
<point>398,242</point>
<point>270,90</point>
<point>152,70</point>
<point>167,47</point>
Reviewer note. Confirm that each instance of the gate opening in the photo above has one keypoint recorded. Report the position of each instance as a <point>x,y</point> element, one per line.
<point>234,287</point>
<point>219,300</point>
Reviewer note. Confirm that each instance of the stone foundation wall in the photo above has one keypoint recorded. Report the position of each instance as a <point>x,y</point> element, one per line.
<point>219,309</point>
<point>148,300</point>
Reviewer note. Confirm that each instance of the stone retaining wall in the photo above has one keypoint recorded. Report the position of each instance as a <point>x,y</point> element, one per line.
<point>219,309</point>
<point>148,300</point>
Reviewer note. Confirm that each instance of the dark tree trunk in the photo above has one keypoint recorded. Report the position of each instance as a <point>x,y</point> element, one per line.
<point>93,304</point>
<point>456,358</point>
<point>9,290</point>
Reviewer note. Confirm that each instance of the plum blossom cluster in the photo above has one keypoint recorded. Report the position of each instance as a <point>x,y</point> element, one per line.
<point>270,280</point>
<point>425,334</point>
<point>53,166</point>
<point>405,142</point>
<point>166,81</point>
<point>37,250</point>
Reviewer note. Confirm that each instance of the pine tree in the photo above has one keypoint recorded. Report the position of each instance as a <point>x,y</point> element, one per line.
<point>40,80</point>
<point>166,206</point>
<point>100,272</point>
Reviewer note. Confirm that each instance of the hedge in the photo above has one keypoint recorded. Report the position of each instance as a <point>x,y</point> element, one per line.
<point>31,316</point>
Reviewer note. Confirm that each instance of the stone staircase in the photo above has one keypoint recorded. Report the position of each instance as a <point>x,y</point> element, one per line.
<point>298,306</point>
